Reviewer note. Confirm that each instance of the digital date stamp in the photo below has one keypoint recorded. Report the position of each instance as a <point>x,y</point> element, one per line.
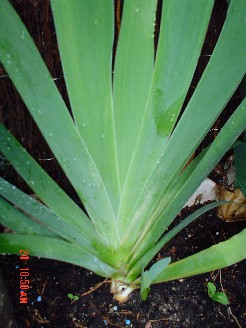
<point>24,277</point>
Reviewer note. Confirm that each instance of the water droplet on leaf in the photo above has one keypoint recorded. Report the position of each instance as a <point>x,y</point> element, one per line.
<point>23,36</point>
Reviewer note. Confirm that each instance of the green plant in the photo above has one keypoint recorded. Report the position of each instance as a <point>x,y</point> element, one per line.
<point>125,149</point>
<point>73,297</point>
<point>217,296</point>
<point>240,160</point>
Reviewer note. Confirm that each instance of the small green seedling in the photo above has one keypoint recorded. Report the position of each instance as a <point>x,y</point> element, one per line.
<point>73,297</point>
<point>217,296</point>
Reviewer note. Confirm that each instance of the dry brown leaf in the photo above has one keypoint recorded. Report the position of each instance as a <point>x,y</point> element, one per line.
<point>235,211</point>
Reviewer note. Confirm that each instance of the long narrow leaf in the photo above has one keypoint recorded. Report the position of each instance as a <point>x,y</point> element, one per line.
<point>57,224</point>
<point>176,61</point>
<point>177,184</point>
<point>133,70</point>
<point>47,190</point>
<point>213,258</point>
<point>37,88</point>
<point>42,184</point>
<point>213,92</point>
<point>85,46</point>
<point>19,222</point>
<point>149,276</point>
<point>143,262</point>
<point>165,212</point>
<point>42,215</point>
<point>54,249</point>
<point>240,161</point>
<point>219,89</point>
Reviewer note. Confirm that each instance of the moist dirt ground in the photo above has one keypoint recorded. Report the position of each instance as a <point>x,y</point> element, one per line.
<point>181,303</point>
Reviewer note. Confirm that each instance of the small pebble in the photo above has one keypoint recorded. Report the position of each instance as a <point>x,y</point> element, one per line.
<point>39,298</point>
<point>115,308</point>
<point>217,233</point>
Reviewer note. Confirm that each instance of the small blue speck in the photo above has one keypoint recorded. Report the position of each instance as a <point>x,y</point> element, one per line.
<point>115,308</point>
<point>105,322</point>
<point>128,322</point>
<point>17,267</point>
<point>32,303</point>
<point>39,298</point>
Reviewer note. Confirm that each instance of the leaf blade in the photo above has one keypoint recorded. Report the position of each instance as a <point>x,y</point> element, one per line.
<point>169,207</point>
<point>175,30</point>
<point>133,70</point>
<point>54,249</point>
<point>228,53</point>
<point>23,64</point>
<point>213,258</point>
<point>17,221</point>
<point>86,51</point>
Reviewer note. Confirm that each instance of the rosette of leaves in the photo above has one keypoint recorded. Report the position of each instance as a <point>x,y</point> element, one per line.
<point>125,147</point>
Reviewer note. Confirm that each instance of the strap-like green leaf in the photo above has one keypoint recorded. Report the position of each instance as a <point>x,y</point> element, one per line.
<point>42,184</point>
<point>37,88</point>
<point>175,188</point>
<point>228,134</point>
<point>150,275</point>
<point>133,70</point>
<point>19,222</point>
<point>224,72</point>
<point>85,32</point>
<point>46,189</point>
<point>168,208</point>
<point>143,262</point>
<point>221,77</point>
<point>213,258</point>
<point>54,249</point>
<point>240,162</point>
<point>42,215</point>
<point>180,42</point>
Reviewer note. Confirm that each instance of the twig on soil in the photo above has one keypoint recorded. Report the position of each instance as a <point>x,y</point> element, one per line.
<point>111,323</point>
<point>229,308</point>
<point>44,286</point>
<point>222,288</point>
<point>77,323</point>
<point>234,317</point>
<point>124,312</point>
<point>38,317</point>
<point>95,288</point>
<point>52,303</point>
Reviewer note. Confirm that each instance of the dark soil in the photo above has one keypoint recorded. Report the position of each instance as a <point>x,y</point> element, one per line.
<point>182,303</point>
